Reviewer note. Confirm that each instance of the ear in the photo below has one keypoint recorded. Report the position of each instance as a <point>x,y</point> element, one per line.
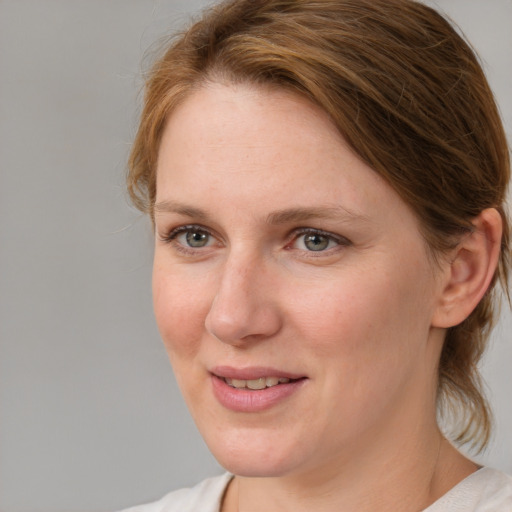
<point>470,270</point>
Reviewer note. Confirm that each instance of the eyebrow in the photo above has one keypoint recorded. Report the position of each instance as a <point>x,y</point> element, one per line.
<point>279,217</point>
<point>180,209</point>
<point>301,214</point>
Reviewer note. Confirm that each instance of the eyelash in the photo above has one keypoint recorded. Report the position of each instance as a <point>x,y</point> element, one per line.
<point>295,235</point>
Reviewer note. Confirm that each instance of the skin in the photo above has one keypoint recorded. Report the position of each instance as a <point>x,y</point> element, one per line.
<point>363,320</point>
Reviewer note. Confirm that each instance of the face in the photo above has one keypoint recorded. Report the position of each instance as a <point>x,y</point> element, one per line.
<point>292,287</point>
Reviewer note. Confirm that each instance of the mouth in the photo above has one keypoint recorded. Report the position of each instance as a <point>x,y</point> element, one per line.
<point>257,384</point>
<point>254,389</point>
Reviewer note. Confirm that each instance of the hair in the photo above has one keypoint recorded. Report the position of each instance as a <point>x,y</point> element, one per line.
<point>405,91</point>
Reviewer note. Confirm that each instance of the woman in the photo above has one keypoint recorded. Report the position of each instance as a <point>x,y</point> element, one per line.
<point>327,181</point>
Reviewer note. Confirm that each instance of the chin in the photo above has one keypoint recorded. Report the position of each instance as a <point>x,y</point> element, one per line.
<point>253,468</point>
<point>255,459</point>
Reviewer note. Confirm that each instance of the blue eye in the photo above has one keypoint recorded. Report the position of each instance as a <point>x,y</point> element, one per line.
<point>193,237</point>
<point>316,241</point>
<point>196,238</point>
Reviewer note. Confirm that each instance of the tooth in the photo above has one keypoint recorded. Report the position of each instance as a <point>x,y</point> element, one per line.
<point>238,383</point>
<point>256,383</point>
<point>271,381</point>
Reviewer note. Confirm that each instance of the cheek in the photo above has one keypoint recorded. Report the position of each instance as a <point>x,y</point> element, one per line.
<point>372,319</point>
<point>340,312</point>
<point>367,336</point>
<point>180,310</point>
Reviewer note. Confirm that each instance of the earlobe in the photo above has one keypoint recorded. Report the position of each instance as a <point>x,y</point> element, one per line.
<point>470,271</point>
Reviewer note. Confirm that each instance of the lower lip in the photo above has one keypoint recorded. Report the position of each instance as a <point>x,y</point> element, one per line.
<point>246,400</point>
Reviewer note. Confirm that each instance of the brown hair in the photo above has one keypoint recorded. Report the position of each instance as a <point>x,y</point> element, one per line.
<point>406,92</point>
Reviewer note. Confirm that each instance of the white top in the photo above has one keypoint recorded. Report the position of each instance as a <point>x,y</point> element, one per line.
<point>486,490</point>
<point>204,497</point>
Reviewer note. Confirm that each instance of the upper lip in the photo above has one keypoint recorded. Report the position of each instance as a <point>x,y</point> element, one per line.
<point>252,373</point>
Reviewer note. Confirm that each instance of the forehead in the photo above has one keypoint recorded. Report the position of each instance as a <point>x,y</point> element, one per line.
<point>262,150</point>
<point>235,116</point>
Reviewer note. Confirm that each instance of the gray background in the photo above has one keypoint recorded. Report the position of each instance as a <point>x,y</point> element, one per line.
<point>90,417</point>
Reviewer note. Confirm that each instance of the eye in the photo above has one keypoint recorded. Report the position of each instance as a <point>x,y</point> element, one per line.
<point>316,242</point>
<point>190,237</point>
<point>194,238</point>
<point>313,240</point>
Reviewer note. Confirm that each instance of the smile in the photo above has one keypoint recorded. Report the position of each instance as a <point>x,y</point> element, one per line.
<point>258,391</point>
<point>256,384</point>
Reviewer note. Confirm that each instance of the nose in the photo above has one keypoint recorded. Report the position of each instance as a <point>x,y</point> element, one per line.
<point>245,307</point>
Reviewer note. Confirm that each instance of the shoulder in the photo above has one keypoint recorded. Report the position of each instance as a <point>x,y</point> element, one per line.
<point>205,496</point>
<point>486,490</point>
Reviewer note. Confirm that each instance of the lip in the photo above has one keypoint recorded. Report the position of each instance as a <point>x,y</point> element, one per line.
<point>252,372</point>
<point>245,400</point>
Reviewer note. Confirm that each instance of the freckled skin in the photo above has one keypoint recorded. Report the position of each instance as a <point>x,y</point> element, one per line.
<point>355,319</point>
